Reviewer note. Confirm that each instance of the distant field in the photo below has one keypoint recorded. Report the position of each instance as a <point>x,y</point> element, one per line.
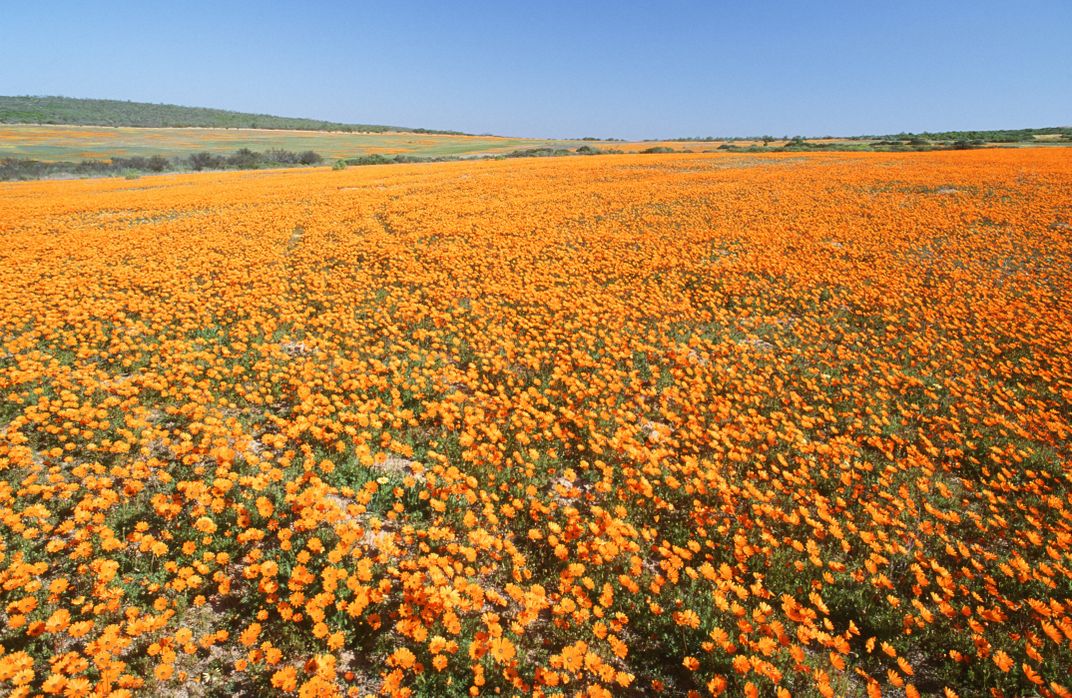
<point>699,146</point>
<point>56,143</point>
<point>68,143</point>
<point>52,143</point>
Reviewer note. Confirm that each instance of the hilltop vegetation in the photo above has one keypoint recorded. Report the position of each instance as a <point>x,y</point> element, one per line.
<point>1022,135</point>
<point>113,112</point>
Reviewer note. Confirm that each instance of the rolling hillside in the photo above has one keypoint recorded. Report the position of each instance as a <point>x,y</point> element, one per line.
<point>112,112</point>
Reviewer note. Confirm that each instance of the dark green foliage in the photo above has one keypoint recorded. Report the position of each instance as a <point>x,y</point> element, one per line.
<point>156,163</point>
<point>538,153</point>
<point>591,150</point>
<point>206,161</point>
<point>244,159</point>
<point>375,159</point>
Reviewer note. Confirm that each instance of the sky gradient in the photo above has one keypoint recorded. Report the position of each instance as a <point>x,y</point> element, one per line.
<point>565,69</point>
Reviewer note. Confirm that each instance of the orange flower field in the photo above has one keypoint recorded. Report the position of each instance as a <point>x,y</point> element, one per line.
<point>626,425</point>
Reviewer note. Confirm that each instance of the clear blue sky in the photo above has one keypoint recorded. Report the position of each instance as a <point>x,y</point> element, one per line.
<point>628,69</point>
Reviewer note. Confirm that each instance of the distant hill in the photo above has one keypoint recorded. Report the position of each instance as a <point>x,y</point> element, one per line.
<point>113,112</point>
<point>1020,135</point>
